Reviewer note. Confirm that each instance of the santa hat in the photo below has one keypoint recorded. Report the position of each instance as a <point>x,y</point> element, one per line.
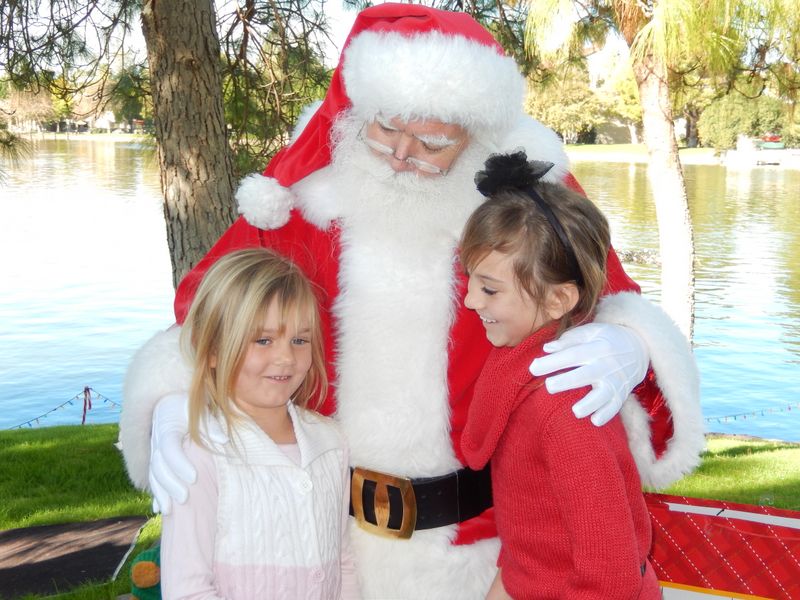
<point>401,60</point>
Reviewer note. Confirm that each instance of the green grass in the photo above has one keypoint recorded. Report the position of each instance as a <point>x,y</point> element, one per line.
<point>65,474</point>
<point>635,153</point>
<point>606,149</point>
<point>747,471</point>
<point>71,474</point>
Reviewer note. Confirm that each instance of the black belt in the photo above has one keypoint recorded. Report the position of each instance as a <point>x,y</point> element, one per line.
<point>397,506</point>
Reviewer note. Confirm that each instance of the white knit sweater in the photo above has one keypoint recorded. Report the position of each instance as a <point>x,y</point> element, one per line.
<point>257,525</point>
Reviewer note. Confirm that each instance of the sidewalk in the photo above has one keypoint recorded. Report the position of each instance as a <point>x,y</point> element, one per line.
<point>56,558</point>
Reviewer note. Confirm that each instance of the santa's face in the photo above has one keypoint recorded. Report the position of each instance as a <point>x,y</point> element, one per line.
<point>400,206</point>
<point>427,147</point>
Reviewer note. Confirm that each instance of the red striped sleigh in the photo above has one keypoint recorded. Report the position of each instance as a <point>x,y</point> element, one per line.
<point>704,549</point>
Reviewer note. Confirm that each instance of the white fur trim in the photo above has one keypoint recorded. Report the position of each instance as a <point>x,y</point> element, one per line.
<point>303,119</point>
<point>677,376</point>
<point>426,566</point>
<point>392,339</point>
<point>264,202</point>
<point>446,77</point>
<point>316,198</point>
<point>156,370</point>
<point>540,143</point>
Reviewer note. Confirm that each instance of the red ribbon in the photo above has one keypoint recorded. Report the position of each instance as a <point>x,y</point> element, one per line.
<point>87,402</point>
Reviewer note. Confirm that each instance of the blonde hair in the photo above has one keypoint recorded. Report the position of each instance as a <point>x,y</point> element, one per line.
<point>227,314</point>
<point>512,223</point>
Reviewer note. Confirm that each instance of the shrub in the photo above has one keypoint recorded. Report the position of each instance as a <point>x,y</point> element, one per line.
<point>735,114</point>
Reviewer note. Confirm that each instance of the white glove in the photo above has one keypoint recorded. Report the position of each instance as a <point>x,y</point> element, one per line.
<point>610,358</point>
<point>170,471</point>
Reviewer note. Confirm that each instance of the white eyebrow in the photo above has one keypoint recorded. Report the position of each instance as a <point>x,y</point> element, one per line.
<point>436,140</point>
<point>432,140</point>
<point>384,122</point>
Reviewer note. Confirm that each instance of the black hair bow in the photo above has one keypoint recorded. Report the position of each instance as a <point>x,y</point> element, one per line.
<point>515,172</point>
<point>510,171</point>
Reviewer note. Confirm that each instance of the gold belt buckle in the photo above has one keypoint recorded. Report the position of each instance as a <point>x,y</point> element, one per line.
<point>381,503</point>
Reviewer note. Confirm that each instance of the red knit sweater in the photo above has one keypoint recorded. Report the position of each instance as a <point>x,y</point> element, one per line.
<point>570,513</point>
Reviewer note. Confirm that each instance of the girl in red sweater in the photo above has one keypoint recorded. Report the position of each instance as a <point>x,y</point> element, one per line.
<point>570,513</point>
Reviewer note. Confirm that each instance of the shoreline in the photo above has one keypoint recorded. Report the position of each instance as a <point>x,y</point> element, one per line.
<point>610,153</point>
<point>711,435</point>
<point>788,158</point>
<point>637,153</point>
<point>72,136</point>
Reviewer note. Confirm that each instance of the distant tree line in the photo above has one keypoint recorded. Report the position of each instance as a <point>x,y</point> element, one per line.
<point>578,107</point>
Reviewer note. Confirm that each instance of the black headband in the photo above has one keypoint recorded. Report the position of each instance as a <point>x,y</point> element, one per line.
<point>514,172</point>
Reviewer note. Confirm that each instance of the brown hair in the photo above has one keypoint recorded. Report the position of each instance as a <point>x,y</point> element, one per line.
<point>226,315</point>
<point>512,222</point>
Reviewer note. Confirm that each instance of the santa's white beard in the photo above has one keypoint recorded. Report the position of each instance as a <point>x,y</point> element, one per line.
<point>394,311</point>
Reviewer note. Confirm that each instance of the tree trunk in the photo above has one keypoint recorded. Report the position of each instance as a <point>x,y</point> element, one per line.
<point>676,239</point>
<point>632,131</point>
<point>692,116</point>
<point>195,162</point>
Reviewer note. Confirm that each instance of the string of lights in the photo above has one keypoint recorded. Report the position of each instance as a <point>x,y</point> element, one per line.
<point>753,414</point>
<point>86,396</point>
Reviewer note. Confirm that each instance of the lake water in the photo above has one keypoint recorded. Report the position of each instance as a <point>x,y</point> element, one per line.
<point>86,275</point>
<point>86,280</point>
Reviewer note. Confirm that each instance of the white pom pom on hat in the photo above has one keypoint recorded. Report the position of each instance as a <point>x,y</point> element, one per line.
<point>264,202</point>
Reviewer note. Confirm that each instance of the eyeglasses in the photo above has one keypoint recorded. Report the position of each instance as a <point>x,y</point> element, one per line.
<point>388,151</point>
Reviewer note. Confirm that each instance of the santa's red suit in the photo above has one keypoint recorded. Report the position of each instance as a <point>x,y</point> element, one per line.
<point>404,350</point>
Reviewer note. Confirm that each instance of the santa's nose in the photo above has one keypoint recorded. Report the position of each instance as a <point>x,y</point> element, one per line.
<point>401,153</point>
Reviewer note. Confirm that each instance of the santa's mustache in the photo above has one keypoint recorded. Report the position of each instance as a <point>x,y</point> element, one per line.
<point>364,172</point>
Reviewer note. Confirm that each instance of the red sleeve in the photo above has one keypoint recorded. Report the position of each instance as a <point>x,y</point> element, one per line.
<point>593,501</point>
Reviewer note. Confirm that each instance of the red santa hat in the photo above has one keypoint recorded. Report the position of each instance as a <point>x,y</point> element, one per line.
<point>401,60</point>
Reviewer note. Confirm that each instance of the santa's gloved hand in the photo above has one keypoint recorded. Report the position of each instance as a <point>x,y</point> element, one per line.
<point>611,358</point>
<point>170,471</point>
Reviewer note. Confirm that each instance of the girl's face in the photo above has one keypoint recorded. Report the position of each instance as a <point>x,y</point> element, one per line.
<point>275,364</point>
<point>507,312</point>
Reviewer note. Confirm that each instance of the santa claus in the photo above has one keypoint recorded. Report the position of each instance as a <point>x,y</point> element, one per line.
<point>369,199</point>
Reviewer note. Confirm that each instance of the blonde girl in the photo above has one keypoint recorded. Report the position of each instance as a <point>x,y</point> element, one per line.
<point>267,515</point>
<point>570,513</point>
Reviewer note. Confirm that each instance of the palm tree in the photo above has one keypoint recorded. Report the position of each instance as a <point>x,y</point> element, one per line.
<point>660,34</point>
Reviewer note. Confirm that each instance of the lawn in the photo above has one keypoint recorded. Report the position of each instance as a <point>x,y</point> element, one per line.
<point>75,473</point>
<point>748,471</point>
<point>635,153</point>
<point>69,474</point>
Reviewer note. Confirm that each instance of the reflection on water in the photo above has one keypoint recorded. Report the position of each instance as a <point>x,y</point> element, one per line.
<point>87,275</point>
<point>87,279</point>
<point>747,302</point>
